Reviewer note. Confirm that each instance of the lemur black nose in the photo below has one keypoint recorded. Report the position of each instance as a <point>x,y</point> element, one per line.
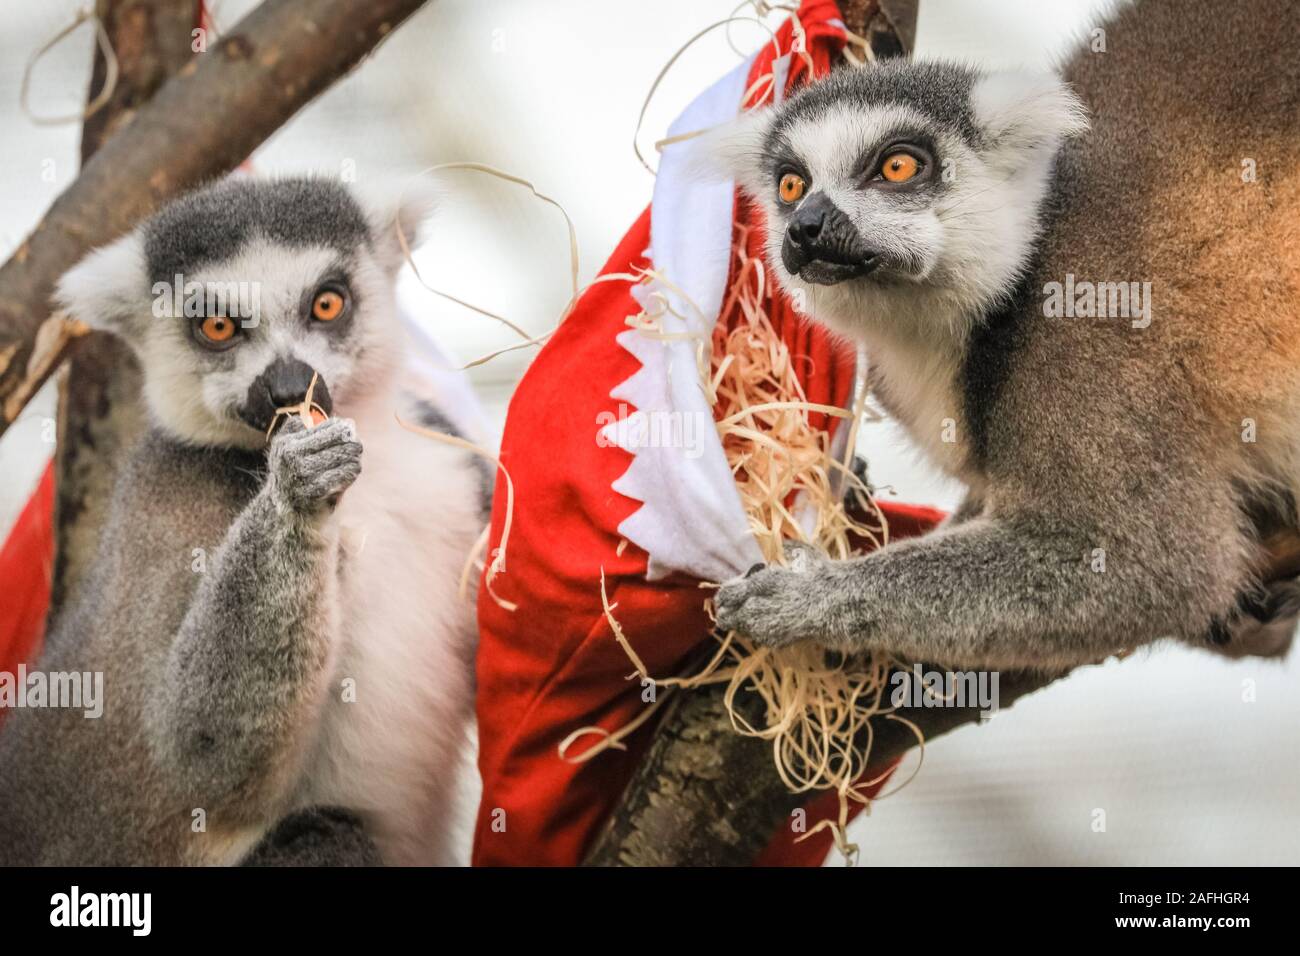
<point>823,245</point>
<point>284,382</point>
<point>288,380</point>
<point>806,226</point>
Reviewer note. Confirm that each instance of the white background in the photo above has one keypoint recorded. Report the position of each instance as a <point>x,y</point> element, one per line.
<point>1186,770</point>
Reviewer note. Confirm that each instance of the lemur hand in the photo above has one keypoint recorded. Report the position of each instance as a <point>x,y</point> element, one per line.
<point>776,606</point>
<point>311,468</point>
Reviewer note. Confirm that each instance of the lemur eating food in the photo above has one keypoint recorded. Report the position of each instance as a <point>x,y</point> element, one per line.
<point>278,621</point>
<point>1081,297</point>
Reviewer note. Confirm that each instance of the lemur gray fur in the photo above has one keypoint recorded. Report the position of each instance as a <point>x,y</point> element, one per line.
<point>287,658</point>
<point>1123,473</point>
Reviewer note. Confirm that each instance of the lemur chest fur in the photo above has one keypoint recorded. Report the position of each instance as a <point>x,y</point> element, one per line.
<point>919,386</point>
<point>395,667</point>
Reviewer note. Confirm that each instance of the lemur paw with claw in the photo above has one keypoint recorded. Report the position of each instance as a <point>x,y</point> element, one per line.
<point>777,605</point>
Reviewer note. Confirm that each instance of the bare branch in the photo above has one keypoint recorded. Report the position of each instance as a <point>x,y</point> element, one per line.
<point>706,796</point>
<point>98,414</point>
<point>202,123</point>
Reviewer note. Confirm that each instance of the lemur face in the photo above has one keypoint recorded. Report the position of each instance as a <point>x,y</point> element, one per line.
<point>236,296</point>
<point>899,179</point>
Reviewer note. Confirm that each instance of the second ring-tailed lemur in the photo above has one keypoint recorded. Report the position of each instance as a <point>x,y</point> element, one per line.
<point>284,648</point>
<point>1098,333</point>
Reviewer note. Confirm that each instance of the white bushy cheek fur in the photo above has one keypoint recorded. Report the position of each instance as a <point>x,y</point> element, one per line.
<point>991,222</point>
<point>375,347</point>
<point>175,389</point>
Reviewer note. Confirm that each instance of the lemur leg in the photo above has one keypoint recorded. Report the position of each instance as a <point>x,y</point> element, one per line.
<point>985,592</point>
<point>319,836</point>
<point>246,672</point>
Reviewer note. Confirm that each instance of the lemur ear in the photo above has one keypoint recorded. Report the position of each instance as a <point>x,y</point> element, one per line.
<point>109,288</point>
<point>408,208</point>
<point>733,150</point>
<point>1023,113</point>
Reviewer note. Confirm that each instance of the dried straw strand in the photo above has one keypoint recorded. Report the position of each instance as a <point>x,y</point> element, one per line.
<point>817,704</point>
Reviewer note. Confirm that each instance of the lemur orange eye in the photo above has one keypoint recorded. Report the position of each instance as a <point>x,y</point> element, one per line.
<point>899,167</point>
<point>218,328</point>
<point>792,187</point>
<point>327,306</point>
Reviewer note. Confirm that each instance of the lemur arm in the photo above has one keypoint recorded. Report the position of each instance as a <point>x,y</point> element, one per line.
<point>248,667</point>
<point>1011,592</point>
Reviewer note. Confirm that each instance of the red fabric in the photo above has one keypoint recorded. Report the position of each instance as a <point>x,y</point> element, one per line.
<point>553,666</point>
<point>26,565</point>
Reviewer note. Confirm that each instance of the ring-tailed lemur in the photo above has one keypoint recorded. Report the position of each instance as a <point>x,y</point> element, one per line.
<point>278,623</point>
<point>1099,334</point>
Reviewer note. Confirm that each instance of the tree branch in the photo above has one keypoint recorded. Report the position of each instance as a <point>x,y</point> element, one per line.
<point>98,411</point>
<point>706,796</point>
<point>202,123</point>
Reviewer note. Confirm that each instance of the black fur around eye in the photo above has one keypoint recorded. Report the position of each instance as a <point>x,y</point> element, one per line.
<point>899,164</point>
<point>900,167</point>
<point>791,188</point>
<point>330,303</point>
<point>216,332</point>
<point>786,173</point>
